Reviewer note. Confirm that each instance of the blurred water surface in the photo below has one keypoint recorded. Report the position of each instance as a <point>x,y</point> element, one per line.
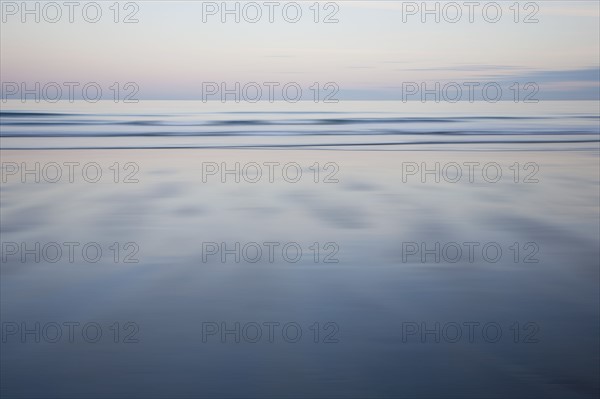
<point>192,124</point>
<point>369,293</point>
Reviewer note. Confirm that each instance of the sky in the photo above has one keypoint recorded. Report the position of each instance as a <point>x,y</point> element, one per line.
<point>372,50</point>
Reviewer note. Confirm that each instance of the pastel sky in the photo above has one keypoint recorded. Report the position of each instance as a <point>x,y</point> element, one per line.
<point>369,53</point>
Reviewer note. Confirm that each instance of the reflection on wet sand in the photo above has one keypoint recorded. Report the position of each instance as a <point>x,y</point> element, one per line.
<point>373,290</point>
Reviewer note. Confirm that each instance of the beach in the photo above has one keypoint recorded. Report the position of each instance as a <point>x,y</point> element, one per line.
<point>187,252</point>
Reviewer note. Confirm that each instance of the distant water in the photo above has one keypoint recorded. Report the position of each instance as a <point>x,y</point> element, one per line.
<point>189,124</point>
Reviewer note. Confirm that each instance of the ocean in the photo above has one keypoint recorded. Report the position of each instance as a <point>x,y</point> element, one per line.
<point>359,249</point>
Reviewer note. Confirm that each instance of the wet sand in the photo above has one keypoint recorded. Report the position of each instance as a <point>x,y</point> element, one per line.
<point>367,222</point>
